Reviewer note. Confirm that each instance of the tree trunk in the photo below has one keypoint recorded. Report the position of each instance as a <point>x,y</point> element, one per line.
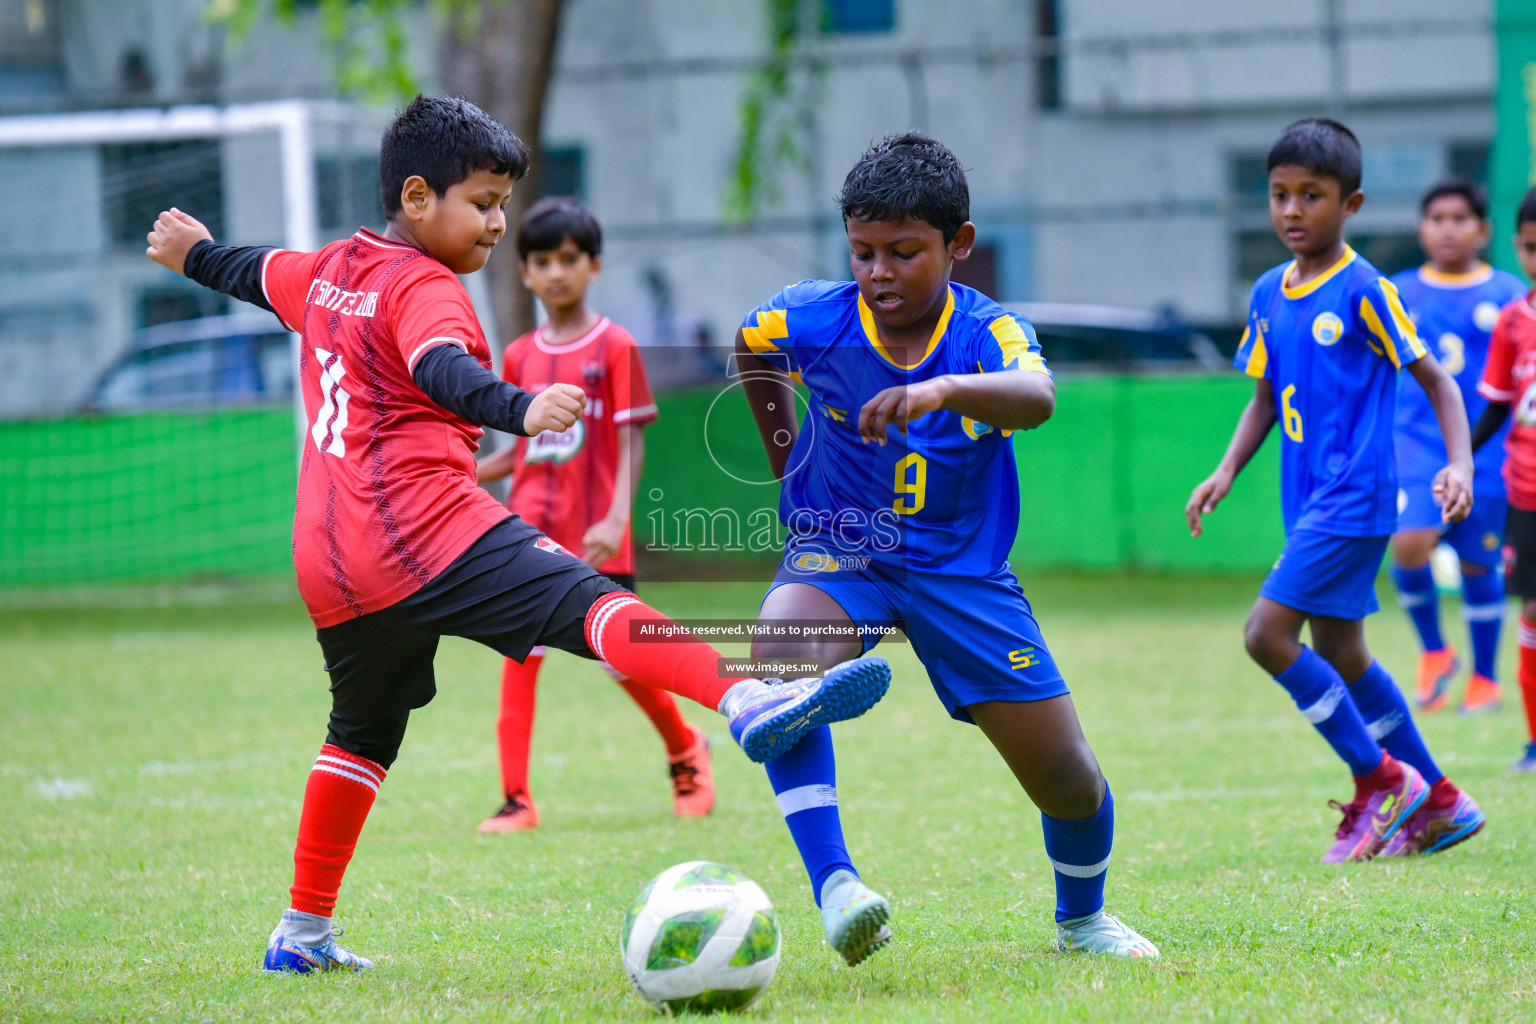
<point>498,54</point>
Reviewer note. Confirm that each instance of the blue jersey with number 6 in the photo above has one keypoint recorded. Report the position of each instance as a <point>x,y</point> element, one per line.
<point>944,497</point>
<point>1331,348</point>
<point>1454,314</point>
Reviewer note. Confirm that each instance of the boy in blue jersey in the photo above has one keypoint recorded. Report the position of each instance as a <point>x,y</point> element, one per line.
<point>901,501</point>
<point>1326,336</point>
<point>1454,301</point>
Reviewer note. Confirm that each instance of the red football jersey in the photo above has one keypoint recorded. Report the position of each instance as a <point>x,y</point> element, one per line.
<point>387,493</point>
<point>1510,376</point>
<point>563,483</point>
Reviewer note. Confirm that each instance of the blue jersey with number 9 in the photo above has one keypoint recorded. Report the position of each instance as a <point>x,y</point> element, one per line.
<point>942,498</point>
<point>1331,348</point>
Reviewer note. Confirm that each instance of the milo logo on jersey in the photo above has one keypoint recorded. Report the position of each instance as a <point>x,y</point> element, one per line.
<point>557,447</point>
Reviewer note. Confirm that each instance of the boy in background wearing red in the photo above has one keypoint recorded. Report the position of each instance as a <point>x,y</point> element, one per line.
<point>1509,382</point>
<point>578,485</point>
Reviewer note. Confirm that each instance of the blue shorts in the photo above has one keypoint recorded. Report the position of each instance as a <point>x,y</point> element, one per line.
<point>976,636</point>
<point>1477,539</point>
<point>1322,574</point>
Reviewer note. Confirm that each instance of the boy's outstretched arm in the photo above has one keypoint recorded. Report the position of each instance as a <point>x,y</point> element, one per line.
<point>771,395</point>
<point>1453,484</point>
<point>1006,399</point>
<point>1253,426</point>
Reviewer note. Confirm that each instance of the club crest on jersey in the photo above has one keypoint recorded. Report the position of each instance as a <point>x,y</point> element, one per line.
<point>1485,315</point>
<point>815,561</point>
<point>592,371</point>
<point>557,447</point>
<point>1327,329</point>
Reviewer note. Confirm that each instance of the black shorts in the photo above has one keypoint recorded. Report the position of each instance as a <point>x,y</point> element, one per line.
<point>505,591</point>
<point>1520,537</point>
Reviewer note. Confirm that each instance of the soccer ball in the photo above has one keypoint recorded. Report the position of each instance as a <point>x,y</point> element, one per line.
<point>700,936</point>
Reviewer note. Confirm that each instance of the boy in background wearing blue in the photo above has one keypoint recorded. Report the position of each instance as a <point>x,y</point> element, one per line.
<point>1326,336</point>
<point>1454,301</point>
<point>902,502</point>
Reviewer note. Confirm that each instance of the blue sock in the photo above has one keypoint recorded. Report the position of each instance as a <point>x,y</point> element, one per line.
<point>1320,693</point>
<point>805,781</point>
<point>1390,722</point>
<point>1079,852</point>
<point>1416,593</point>
<point>1483,605</point>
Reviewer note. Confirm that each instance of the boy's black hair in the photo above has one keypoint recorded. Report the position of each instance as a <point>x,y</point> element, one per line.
<point>444,139</point>
<point>1456,185</point>
<point>1323,146</point>
<point>553,219</point>
<point>1527,212</point>
<point>908,175</point>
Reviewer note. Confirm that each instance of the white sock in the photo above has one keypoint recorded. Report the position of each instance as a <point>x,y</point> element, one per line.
<point>305,929</point>
<point>738,695</point>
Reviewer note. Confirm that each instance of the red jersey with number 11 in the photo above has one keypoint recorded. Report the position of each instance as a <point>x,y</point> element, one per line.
<point>387,492</point>
<point>563,483</point>
<point>1510,376</point>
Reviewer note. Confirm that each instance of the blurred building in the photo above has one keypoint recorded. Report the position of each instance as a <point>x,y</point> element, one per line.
<point>1115,148</point>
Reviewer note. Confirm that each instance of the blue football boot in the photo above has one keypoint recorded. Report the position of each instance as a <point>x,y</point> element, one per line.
<point>769,717</point>
<point>285,953</point>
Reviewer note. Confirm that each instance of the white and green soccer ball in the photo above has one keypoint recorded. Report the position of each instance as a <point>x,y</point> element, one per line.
<point>700,936</point>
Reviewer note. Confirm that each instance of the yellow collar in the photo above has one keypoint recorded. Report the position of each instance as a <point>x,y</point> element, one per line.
<point>1303,290</point>
<point>867,320</point>
<point>1478,275</point>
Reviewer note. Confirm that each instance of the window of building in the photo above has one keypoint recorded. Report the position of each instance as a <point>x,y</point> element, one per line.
<point>348,188</point>
<point>140,179</point>
<point>858,15</point>
<point>1048,63</point>
<point>1468,159</point>
<point>979,271</point>
<point>563,172</point>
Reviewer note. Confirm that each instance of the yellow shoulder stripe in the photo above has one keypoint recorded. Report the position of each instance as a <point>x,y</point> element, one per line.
<point>1014,344</point>
<point>1258,359</point>
<point>1373,322</point>
<point>1400,317</point>
<point>772,325</point>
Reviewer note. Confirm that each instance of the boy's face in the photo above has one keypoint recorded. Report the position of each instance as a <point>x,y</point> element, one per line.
<point>902,266</point>
<point>460,227</point>
<point>560,277</point>
<point>1525,248</point>
<point>1451,232</point>
<point>1307,209</point>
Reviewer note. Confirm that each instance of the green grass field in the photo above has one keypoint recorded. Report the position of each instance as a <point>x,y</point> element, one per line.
<point>153,762</point>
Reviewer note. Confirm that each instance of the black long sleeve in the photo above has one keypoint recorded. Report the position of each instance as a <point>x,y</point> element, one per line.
<point>455,380</point>
<point>1488,424</point>
<point>231,269</point>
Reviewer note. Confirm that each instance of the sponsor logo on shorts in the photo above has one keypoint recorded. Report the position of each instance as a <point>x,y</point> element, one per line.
<point>1024,658</point>
<point>816,561</point>
<point>1327,329</point>
<point>1490,541</point>
<point>545,544</point>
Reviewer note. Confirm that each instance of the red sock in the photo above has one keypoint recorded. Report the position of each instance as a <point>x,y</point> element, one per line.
<point>688,668</point>
<point>340,791</point>
<point>514,723</point>
<point>661,709</point>
<point>1528,673</point>
<point>1442,794</point>
<point>1387,774</point>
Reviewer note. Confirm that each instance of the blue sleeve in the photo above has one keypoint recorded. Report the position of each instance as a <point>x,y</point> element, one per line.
<point>766,331</point>
<point>1253,350</point>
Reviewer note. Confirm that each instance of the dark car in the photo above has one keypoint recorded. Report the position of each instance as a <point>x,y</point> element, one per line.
<point>240,359</point>
<point>1112,337</point>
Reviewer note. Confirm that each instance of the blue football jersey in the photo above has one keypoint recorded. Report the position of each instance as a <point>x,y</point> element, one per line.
<point>1331,349</point>
<point>943,498</point>
<point>1454,315</point>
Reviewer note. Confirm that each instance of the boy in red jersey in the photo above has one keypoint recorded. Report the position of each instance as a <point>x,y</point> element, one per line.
<point>578,485</point>
<point>394,543</point>
<point>1509,378</point>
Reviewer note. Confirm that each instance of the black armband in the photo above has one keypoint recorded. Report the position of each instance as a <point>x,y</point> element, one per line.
<point>1488,424</point>
<point>455,380</point>
<point>233,270</point>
